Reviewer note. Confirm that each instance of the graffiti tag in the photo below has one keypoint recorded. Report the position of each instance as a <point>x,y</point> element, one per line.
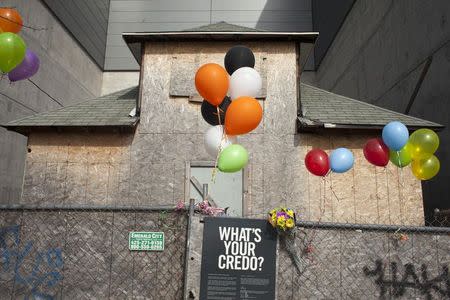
<point>43,271</point>
<point>422,282</point>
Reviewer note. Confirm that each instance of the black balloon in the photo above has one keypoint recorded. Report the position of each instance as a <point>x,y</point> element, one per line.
<point>209,111</point>
<point>238,57</point>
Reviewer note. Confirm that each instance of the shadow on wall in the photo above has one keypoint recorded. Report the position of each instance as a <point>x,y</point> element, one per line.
<point>291,16</point>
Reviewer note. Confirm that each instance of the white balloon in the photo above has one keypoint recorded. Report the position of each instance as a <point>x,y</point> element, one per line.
<point>245,81</point>
<point>214,140</point>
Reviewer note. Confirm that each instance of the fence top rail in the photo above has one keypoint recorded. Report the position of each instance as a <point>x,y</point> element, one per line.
<point>168,208</point>
<point>372,227</point>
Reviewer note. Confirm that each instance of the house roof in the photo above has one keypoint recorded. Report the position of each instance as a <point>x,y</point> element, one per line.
<point>323,109</point>
<point>223,27</point>
<point>221,31</point>
<point>106,111</point>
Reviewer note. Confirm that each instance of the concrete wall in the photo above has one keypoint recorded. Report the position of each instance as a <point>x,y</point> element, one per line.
<point>67,75</point>
<point>379,55</point>
<point>173,15</point>
<point>148,168</point>
<point>87,20</point>
<point>327,16</point>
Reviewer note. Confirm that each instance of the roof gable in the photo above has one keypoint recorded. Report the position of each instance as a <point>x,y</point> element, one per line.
<point>223,27</point>
<point>321,108</point>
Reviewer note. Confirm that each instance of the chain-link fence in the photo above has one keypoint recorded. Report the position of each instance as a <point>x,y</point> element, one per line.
<point>355,261</point>
<point>84,254</point>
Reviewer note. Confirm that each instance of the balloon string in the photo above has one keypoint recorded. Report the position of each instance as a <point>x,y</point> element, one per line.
<point>224,136</point>
<point>331,187</point>
<point>25,26</point>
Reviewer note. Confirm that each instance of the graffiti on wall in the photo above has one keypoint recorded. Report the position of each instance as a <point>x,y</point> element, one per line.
<point>43,267</point>
<point>397,283</point>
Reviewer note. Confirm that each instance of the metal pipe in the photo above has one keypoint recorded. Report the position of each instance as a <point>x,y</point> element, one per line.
<point>187,253</point>
<point>90,208</point>
<point>205,192</point>
<point>371,227</point>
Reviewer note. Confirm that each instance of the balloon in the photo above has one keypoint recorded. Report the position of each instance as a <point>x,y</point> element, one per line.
<point>424,142</point>
<point>10,20</point>
<point>211,81</point>
<point>214,138</point>
<point>401,158</point>
<point>317,162</point>
<point>395,135</point>
<point>245,82</point>
<point>12,51</point>
<point>209,112</point>
<point>376,152</point>
<point>341,160</point>
<point>27,68</point>
<point>427,168</point>
<point>238,57</point>
<point>232,159</point>
<point>243,115</point>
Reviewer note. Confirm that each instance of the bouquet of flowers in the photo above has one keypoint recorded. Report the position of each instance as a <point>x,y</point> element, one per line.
<point>283,220</point>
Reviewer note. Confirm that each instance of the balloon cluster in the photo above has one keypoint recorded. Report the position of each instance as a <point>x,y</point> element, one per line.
<point>318,163</point>
<point>395,145</point>
<point>401,149</point>
<point>232,115</point>
<point>15,59</point>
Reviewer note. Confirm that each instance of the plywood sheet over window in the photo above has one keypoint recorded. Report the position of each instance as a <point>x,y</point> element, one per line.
<point>183,72</point>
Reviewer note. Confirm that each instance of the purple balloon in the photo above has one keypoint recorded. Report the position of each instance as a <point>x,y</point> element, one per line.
<point>27,68</point>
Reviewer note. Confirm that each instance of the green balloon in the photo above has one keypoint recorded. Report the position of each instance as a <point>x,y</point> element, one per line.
<point>12,51</point>
<point>401,158</point>
<point>232,159</point>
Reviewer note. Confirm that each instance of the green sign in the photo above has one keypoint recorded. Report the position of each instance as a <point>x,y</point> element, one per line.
<point>146,241</point>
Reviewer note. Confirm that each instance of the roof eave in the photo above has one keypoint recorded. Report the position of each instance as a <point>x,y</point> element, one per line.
<point>133,38</point>
<point>25,130</point>
<point>315,126</point>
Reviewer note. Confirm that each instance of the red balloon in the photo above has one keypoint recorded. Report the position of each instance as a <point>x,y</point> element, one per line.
<point>317,162</point>
<point>376,152</point>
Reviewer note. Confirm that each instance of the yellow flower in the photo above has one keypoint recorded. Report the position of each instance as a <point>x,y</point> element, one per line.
<point>273,211</point>
<point>290,213</point>
<point>290,223</point>
<point>274,220</point>
<point>281,222</point>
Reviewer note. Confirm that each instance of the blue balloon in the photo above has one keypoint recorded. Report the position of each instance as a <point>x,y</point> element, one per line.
<point>341,160</point>
<point>395,135</point>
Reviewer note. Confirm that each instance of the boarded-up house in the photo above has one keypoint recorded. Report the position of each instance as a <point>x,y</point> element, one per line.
<point>99,154</point>
<point>94,153</point>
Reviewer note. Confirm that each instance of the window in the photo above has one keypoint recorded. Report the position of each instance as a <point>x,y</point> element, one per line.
<point>226,191</point>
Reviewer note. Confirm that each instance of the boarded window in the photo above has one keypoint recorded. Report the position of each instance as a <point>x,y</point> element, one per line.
<point>226,191</point>
<point>182,78</point>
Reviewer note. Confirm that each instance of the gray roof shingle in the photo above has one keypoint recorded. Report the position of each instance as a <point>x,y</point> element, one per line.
<point>108,110</point>
<point>223,27</point>
<point>323,107</point>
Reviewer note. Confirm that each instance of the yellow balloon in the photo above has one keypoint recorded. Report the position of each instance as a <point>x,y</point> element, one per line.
<point>427,168</point>
<point>423,143</point>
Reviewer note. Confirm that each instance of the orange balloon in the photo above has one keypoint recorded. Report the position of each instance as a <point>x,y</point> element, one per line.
<point>10,20</point>
<point>211,81</point>
<point>243,115</point>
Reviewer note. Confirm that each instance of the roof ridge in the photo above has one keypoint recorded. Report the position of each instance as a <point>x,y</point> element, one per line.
<point>368,104</point>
